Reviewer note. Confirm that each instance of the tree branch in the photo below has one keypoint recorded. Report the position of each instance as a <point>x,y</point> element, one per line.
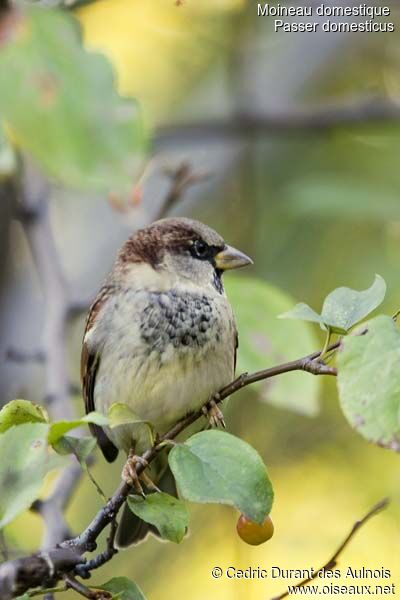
<point>332,562</point>
<point>33,213</point>
<point>87,540</point>
<point>102,558</point>
<point>182,177</point>
<point>34,217</point>
<point>38,570</point>
<point>17,355</point>
<point>77,586</point>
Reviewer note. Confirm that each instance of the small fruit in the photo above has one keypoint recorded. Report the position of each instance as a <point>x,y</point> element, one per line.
<point>252,533</point>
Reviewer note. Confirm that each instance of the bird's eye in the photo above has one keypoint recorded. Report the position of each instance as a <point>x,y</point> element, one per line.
<point>200,249</point>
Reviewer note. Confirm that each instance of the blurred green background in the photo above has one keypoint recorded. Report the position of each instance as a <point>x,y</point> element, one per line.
<point>315,209</point>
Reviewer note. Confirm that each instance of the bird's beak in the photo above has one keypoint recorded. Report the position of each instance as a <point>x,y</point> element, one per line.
<point>230,258</point>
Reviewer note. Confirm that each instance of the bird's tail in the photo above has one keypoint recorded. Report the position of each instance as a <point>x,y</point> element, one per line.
<point>132,529</point>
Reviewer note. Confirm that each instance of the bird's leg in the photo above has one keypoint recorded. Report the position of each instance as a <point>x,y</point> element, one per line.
<point>130,476</point>
<point>148,482</point>
<point>213,413</point>
<point>129,473</point>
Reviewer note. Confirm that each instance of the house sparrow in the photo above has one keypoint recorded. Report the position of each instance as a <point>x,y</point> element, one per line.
<point>161,338</point>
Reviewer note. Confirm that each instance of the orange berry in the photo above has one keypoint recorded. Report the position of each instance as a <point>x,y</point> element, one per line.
<point>252,533</point>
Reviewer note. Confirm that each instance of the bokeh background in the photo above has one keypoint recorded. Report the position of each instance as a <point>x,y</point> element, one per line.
<point>315,206</point>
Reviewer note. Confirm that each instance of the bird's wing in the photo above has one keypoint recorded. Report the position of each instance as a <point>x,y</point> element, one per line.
<point>90,361</point>
<point>236,346</point>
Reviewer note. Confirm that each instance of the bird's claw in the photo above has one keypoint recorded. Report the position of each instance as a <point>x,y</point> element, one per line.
<point>131,477</point>
<point>214,414</point>
<point>129,472</point>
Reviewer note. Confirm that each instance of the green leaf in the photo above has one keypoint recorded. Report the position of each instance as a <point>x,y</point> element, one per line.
<point>123,589</point>
<point>264,342</point>
<point>343,308</point>
<point>25,460</point>
<point>303,312</point>
<point>369,382</point>
<point>120,414</point>
<point>215,466</point>
<point>18,412</point>
<point>90,135</point>
<point>81,447</point>
<point>60,428</point>
<point>166,513</point>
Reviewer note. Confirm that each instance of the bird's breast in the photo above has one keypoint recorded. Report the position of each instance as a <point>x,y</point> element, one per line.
<point>184,322</point>
<point>165,353</point>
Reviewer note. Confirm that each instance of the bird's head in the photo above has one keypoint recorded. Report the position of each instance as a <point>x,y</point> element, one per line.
<point>184,248</point>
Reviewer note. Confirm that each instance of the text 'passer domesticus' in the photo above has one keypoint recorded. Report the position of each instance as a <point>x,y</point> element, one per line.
<point>161,338</point>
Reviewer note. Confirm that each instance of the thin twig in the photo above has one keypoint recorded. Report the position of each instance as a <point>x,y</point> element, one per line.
<point>82,590</point>
<point>102,558</point>
<point>182,177</point>
<point>332,562</point>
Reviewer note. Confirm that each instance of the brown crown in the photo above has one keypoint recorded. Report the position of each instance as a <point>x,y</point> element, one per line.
<point>167,235</point>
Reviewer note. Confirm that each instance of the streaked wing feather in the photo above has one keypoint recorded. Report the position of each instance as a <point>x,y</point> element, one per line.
<point>235,351</point>
<point>90,362</point>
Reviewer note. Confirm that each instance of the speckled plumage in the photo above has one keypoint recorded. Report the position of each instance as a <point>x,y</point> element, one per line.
<point>181,319</point>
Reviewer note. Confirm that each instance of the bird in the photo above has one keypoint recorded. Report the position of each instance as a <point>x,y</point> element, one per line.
<point>160,338</point>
